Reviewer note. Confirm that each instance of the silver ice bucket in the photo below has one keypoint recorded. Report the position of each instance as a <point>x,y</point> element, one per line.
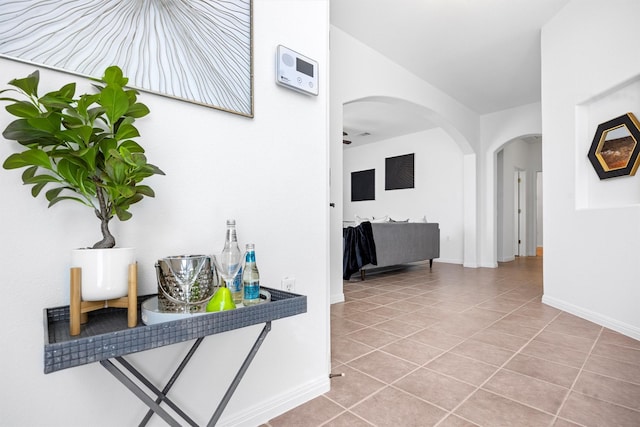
<point>176,296</point>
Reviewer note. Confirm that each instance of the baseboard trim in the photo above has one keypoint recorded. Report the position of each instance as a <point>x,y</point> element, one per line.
<point>336,298</point>
<point>600,319</point>
<point>278,405</point>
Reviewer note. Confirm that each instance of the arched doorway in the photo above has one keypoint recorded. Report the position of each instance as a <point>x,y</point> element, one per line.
<point>518,197</point>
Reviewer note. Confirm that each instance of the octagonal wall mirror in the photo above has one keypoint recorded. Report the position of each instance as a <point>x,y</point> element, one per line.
<point>615,148</point>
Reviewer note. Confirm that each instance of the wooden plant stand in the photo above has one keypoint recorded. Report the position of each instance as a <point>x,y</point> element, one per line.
<point>78,309</point>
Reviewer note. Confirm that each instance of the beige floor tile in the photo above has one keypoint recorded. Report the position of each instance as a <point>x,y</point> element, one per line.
<point>509,342</point>
<point>501,304</point>
<point>488,409</point>
<point>352,387</point>
<point>347,419</point>
<point>458,326</point>
<point>527,390</point>
<point>424,299</point>
<point>623,354</point>
<point>406,306</point>
<point>583,345</point>
<point>462,368</point>
<point>611,337</point>
<point>559,422</point>
<point>613,368</point>
<point>427,339</point>
<point>420,318</point>
<point>392,408</point>
<point>455,421</point>
<point>541,369</point>
<point>398,328</point>
<point>483,352</point>
<point>381,300</point>
<point>412,351</point>
<point>365,318</point>
<point>344,349</point>
<point>340,326</point>
<point>312,413</point>
<point>555,353</point>
<point>373,337</point>
<point>538,310</point>
<point>511,328</point>
<point>588,411</point>
<point>570,326</point>
<point>436,338</point>
<point>359,305</point>
<point>386,312</point>
<point>609,389</point>
<point>383,366</point>
<point>435,388</point>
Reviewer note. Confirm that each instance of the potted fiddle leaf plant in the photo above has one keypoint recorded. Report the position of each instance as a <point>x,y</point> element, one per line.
<point>81,148</point>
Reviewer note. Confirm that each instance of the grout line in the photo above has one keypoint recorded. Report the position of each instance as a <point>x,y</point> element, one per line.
<point>505,363</point>
<point>575,380</point>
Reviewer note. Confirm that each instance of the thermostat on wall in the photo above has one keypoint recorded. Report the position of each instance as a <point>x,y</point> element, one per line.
<point>296,71</point>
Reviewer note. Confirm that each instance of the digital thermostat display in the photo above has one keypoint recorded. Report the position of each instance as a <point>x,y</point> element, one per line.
<point>304,67</point>
<point>296,71</point>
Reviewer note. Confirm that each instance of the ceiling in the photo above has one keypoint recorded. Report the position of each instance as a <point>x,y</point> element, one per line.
<point>483,53</point>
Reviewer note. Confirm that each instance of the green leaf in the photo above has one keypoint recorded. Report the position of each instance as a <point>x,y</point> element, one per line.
<point>36,189</point>
<point>123,215</point>
<point>126,190</point>
<point>50,124</point>
<point>22,131</point>
<point>29,173</point>
<point>23,109</point>
<point>126,131</point>
<point>37,179</point>
<point>132,146</point>
<point>59,199</point>
<point>115,103</point>
<point>67,171</point>
<point>89,156</point>
<point>53,193</point>
<point>145,190</point>
<point>107,146</point>
<point>113,76</point>
<point>80,135</point>
<point>59,99</point>
<point>137,110</point>
<point>28,84</point>
<point>32,157</point>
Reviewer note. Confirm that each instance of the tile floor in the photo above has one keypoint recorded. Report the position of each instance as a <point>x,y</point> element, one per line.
<point>470,347</point>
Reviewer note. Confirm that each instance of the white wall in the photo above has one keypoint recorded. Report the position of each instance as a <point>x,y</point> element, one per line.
<point>438,185</point>
<point>218,166</point>
<point>497,129</point>
<point>590,253</point>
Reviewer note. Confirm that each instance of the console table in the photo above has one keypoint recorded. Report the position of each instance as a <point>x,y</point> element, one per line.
<point>106,339</point>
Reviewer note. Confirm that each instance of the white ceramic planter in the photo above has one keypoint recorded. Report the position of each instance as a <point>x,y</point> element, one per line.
<point>105,272</point>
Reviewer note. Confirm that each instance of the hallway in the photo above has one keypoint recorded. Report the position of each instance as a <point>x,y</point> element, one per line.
<point>470,347</point>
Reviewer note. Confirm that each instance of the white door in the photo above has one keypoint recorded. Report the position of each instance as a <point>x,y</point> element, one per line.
<point>520,213</point>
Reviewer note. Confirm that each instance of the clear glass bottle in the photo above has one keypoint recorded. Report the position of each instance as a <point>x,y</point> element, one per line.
<point>231,262</point>
<point>251,277</point>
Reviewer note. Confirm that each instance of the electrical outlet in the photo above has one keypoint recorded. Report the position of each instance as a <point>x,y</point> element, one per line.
<point>289,284</point>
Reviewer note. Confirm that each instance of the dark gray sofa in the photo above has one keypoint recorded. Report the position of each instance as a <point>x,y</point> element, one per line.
<point>404,242</point>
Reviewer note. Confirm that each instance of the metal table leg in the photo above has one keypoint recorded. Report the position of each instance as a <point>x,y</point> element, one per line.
<point>154,405</point>
<point>109,366</point>
<point>239,375</point>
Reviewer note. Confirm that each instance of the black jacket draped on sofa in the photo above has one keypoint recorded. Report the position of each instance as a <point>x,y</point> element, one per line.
<point>359,248</point>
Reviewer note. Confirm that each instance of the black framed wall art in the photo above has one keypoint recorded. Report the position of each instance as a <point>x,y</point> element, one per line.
<point>399,172</point>
<point>363,185</point>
